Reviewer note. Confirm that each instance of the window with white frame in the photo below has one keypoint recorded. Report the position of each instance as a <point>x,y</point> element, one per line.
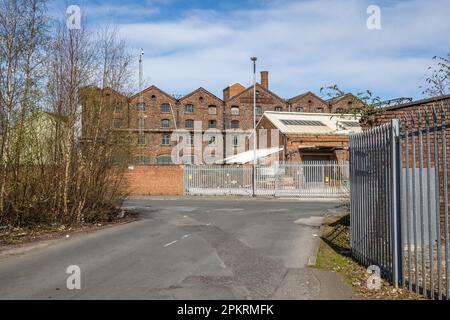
<point>212,124</point>
<point>165,139</point>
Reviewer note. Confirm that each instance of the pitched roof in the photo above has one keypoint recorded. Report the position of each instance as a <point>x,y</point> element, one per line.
<point>313,123</point>
<point>339,98</point>
<point>258,87</point>
<point>150,88</point>
<point>305,94</point>
<point>202,90</point>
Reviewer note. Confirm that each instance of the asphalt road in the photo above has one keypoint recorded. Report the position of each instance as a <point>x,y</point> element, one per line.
<point>180,249</point>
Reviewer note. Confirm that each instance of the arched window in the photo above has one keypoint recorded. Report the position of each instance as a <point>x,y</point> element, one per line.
<point>234,124</point>
<point>165,123</point>
<point>278,108</point>
<point>320,110</point>
<point>212,110</point>
<point>189,124</point>
<point>163,159</point>
<point>234,110</point>
<point>189,108</point>
<point>299,109</point>
<point>141,107</point>
<point>212,124</point>
<point>165,108</point>
<point>339,110</point>
<point>258,111</point>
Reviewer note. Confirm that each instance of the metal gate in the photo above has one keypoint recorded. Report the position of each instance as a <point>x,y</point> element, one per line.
<point>399,201</point>
<point>304,179</point>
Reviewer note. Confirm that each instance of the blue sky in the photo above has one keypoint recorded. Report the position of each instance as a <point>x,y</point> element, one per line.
<point>303,44</point>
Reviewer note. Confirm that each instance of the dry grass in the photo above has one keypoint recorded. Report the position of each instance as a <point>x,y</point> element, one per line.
<point>11,236</point>
<point>334,255</point>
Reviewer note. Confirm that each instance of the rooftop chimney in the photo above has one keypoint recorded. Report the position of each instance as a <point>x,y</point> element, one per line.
<point>232,90</point>
<point>265,79</point>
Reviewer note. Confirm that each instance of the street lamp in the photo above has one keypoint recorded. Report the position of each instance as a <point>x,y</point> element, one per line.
<point>253,59</point>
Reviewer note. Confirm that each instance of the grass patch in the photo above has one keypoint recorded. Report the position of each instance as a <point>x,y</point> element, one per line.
<point>335,255</point>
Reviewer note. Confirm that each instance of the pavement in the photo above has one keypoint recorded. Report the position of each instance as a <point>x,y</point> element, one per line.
<point>185,248</point>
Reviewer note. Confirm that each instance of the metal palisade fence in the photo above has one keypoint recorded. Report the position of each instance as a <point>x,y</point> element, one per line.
<point>399,200</point>
<point>297,179</point>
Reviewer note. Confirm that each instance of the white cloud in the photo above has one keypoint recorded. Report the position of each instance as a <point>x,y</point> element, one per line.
<point>304,45</point>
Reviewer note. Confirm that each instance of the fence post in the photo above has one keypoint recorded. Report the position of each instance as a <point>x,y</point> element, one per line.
<point>277,178</point>
<point>396,167</point>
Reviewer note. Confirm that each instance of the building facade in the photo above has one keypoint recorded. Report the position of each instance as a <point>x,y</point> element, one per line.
<point>152,115</point>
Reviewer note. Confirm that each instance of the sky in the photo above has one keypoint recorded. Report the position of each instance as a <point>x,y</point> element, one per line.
<point>304,44</point>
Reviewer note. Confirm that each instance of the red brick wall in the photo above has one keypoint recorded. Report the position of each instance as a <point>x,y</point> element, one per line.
<point>410,110</point>
<point>309,102</point>
<point>155,180</point>
<point>264,99</point>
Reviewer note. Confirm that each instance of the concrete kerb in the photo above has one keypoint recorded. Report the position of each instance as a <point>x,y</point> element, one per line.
<point>234,197</point>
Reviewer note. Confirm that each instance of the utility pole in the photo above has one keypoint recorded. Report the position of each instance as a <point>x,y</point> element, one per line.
<point>253,59</point>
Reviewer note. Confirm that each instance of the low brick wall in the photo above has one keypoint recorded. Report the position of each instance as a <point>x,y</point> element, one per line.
<point>155,180</point>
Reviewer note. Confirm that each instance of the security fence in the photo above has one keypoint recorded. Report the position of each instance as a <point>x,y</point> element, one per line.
<point>399,201</point>
<point>305,179</point>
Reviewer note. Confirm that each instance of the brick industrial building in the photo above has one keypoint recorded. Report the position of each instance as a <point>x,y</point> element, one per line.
<point>309,136</point>
<point>152,115</point>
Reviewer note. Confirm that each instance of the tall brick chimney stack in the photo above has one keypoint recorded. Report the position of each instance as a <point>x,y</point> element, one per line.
<point>265,79</point>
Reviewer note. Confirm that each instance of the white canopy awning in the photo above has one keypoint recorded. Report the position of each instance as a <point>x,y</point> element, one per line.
<point>247,156</point>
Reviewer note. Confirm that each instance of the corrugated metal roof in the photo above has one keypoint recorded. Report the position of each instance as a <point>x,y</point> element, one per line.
<point>313,123</point>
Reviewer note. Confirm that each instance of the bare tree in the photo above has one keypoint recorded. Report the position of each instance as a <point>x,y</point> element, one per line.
<point>22,42</point>
<point>57,144</point>
<point>437,82</point>
<point>365,104</point>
